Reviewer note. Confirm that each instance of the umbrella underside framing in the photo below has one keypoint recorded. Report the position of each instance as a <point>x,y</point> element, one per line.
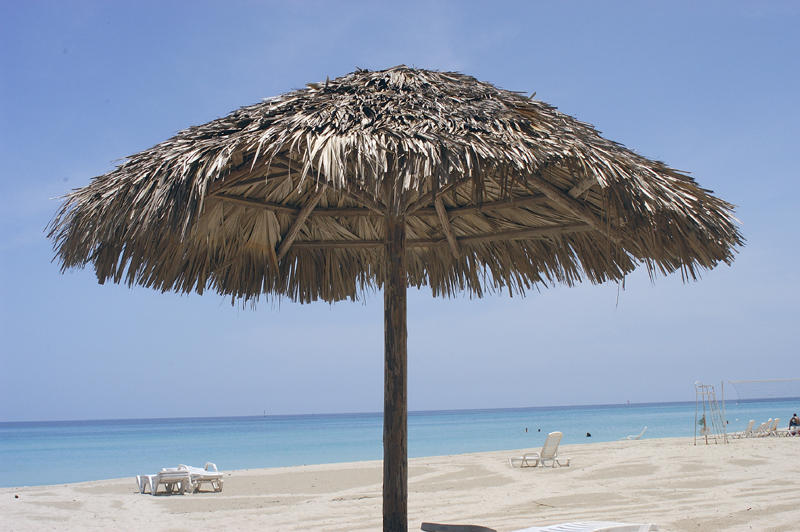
<point>390,179</point>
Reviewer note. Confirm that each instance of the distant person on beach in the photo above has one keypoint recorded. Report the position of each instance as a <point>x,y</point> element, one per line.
<point>794,425</point>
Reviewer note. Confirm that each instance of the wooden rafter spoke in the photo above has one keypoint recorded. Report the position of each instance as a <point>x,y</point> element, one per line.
<point>582,187</point>
<point>529,234</point>
<point>377,208</point>
<point>294,230</point>
<point>446,227</point>
<point>477,190</point>
<point>513,203</point>
<point>288,209</point>
<point>260,204</point>
<point>526,201</point>
<point>511,234</point>
<point>428,197</point>
<point>574,206</point>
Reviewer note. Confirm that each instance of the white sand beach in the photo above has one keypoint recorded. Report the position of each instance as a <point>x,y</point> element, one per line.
<point>749,484</point>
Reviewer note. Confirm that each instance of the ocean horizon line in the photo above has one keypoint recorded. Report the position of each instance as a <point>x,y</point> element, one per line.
<point>379,413</point>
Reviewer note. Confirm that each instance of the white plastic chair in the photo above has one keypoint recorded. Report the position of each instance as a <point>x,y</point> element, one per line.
<point>636,436</point>
<point>585,526</point>
<point>208,475</point>
<point>549,452</point>
<point>592,526</point>
<point>437,527</point>
<point>746,433</point>
<point>773,429</point>
<point>763,429</point>
<point>173,480</point>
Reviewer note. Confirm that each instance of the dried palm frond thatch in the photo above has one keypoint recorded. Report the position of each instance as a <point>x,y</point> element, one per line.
<point>389,179</point>
<point>289,197</point>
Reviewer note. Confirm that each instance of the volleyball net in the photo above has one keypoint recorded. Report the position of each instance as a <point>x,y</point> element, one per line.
<point>764,389</point>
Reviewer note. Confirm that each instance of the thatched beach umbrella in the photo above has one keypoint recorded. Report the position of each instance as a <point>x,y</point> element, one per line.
<point>390,179</point>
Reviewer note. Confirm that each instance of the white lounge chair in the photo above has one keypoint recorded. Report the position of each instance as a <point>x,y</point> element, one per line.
<point>636,436</point>
<point>773,429</point>
<point>586,526</point>
<point>173,480</point>
<point>756,432</point>
<point>549,452</point>
<point>788,431</point>
<point>437,527</point>
<point>592,526</point>
<point>763,429</point>
<point>746,433</point>
<point>208,475</point>
<point>143,482</point>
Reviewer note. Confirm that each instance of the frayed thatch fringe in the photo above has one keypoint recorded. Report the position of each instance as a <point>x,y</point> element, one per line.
<point>288,197</point>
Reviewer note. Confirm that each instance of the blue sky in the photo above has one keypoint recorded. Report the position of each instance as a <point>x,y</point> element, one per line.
<point>709,88</point>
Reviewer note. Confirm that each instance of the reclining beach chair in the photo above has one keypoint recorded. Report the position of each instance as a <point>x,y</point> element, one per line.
<point>436,527</point>
<point>763,429</point>
<point>592,526</point>
<point>773,429</point>
<point>756,432</point>
<point>746,433</point>
<point>143,482</point>
<point>208,475</point>
<point>549,452</point>
<point>586,526</point>
<point>636,436</point>
<point>173,480</point>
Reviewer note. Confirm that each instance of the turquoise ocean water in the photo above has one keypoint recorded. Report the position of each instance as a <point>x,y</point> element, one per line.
<point>35,453</point>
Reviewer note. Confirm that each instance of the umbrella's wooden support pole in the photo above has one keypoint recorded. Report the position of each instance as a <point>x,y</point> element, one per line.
<point>395,400</point>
